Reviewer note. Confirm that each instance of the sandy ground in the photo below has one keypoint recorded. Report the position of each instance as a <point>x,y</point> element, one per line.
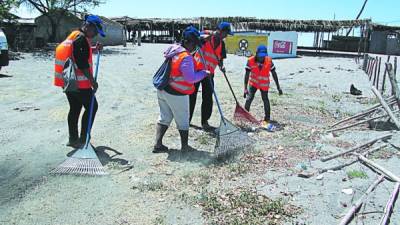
<point>146,188</point>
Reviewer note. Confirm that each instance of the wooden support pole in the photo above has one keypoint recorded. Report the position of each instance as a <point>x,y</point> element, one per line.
<point>384,76</point>
<point>356,207</point>
<point>368,64</point>
<point>370,110</point>
<point>333,156</point>
<point>394,83</point>
<point>395,66</point>
<point>390,205</point>
<point>386,107</point>
<point>378,167</point>
<point>353,161</point>
<point>360,122</point>
<point>379,72</point>
<point>375,70</point>
<point>371,70</point>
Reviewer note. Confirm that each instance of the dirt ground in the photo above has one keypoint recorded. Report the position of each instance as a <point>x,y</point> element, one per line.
<point>258,186</point>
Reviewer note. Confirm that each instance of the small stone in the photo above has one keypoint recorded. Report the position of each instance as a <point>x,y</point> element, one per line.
<point>320,177</point>
<point>348,191</point>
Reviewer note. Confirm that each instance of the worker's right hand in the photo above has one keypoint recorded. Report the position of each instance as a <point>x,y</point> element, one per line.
<point>245,93</point>
<point>95,86</point>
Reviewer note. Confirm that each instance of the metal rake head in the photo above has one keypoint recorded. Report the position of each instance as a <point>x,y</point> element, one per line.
<point>231,139</point>
<point>83,162</point>
<point>76,166</point>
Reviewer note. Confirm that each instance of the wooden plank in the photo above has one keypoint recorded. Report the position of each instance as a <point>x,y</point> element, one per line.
<point>390,205</point>
<point>333,156</point>
<point>386,107</point>
<point>378,167</point>
<point>375,70</point>
<point>338,167</point>
<point>356,207</point>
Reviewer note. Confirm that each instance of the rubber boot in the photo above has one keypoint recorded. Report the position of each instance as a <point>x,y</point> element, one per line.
<point>160,132</point>
<point>185,141</point>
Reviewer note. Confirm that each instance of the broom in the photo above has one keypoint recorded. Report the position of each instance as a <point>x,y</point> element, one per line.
<point>84,161</point>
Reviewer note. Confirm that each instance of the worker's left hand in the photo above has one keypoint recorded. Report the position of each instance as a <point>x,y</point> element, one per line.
<point>222,68</point>
<point>99,46</point>
<point>280,91</point>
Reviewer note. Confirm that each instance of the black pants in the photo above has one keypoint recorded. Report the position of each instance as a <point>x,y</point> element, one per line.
<point>76,101</point>
<point>264,96</point>
<point>207,96</point>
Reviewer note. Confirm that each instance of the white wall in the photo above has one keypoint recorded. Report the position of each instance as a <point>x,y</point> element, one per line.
<point>285,44</point>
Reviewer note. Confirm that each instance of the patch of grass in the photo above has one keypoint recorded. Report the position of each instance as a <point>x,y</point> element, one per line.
<point>203,139</point>
<point>198,179</point>
<point>150,186</point>
<point>244,206</point>
<point>352,174</point>
<point>321,107</point>
<point>336,98</point>
<point>239,168</point>
<point>160,220</point>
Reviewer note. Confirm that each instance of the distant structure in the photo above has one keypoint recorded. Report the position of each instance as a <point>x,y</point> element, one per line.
<point>69,22</point>
<point>328,34</point>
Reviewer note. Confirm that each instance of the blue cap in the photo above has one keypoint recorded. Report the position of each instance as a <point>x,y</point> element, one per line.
<point>191,33</point>
<point>95,20</point>
<point>262,51</point>
<point>225,26</point>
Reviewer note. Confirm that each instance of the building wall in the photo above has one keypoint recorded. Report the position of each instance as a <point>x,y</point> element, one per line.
<point>393,46</point>
<point>68,23</point>
<point>378,43</point>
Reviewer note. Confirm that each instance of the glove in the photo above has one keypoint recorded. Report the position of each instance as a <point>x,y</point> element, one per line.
<point>95,86</point>
<point>280,91</point>
<point>245,93</point>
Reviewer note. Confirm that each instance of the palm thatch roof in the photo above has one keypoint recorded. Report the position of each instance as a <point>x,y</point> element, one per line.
<point>249,24</point>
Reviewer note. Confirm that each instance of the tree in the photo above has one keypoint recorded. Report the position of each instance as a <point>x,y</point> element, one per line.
<point>5,7</point>
<point>62,7</point>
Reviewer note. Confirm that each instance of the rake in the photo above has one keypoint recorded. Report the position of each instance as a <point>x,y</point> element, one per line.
<point>230,138</point>
<point>241,115</point>
<point>84,161</point>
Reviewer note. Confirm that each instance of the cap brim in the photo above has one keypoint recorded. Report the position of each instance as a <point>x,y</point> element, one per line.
<point>100,31</point>
<point>262,54</point>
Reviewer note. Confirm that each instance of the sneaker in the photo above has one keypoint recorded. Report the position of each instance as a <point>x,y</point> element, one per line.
<point>266,125</point>
<point>160,149</point>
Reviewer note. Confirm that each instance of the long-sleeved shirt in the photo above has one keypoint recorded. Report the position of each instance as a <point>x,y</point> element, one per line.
<point>187,68</point>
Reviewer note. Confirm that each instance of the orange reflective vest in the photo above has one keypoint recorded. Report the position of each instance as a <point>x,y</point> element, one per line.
<point>198,61</point>
<point>64,51</point>
<point>212,53</point>
<point>259,77</point>
<point>177,81</point>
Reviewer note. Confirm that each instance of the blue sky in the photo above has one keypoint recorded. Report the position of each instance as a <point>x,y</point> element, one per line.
<point>382,11</point>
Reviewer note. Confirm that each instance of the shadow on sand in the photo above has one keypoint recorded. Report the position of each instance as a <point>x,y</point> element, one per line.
<point>5,76</point>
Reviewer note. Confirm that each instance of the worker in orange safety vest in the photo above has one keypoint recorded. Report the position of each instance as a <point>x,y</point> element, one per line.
<point>78,47</point>
<point>214,53</point>
<point>257,77</point>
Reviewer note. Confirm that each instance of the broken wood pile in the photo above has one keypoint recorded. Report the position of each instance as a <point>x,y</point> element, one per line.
<point>388,108</point>
<point>361,152</point>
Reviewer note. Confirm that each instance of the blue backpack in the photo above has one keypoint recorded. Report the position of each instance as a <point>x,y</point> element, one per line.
<point>161,77</point>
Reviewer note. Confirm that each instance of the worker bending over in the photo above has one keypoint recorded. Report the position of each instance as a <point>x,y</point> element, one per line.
<point>173,100</point>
